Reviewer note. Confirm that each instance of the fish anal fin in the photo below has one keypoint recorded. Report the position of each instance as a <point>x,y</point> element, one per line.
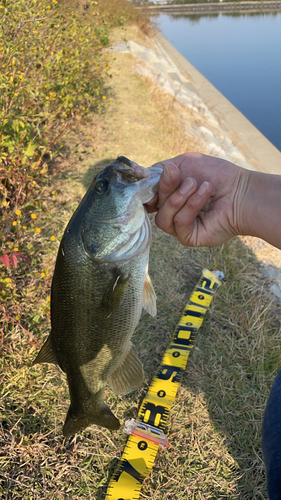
<point>149,297</point>
<point>102,416</point>
<point>46,354</point>
<point>115,292</point>
<point>129,374</point>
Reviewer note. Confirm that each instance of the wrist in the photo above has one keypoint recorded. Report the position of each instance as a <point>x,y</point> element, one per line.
<point>260,207</point>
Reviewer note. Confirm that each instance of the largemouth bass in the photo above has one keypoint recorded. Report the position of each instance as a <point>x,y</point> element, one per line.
<point>99,288</point>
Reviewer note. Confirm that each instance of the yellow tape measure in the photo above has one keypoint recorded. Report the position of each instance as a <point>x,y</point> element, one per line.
<point>146,433</point>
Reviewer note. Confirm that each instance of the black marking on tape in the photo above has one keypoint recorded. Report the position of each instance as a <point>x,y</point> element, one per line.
<point>184,340</point>
<point>165,372</point>
<point>201,297</point>
<point>204,290</point>
<point>142,445</point>
<point>191,312</point>
<point>125,466</point>
<point>161,394</point>
<point>190,303</point>
<point>154,410</point>
<point>207,284</point>
<point>179,347</point>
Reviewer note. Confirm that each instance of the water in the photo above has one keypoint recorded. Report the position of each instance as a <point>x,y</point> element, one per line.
<point>240,55</point>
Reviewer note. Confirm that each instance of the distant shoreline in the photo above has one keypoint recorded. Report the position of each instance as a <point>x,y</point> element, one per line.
<point>239,7</point>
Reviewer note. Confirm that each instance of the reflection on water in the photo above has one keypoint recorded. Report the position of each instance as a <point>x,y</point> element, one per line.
<point>240,54</point>
<point>196,17</point>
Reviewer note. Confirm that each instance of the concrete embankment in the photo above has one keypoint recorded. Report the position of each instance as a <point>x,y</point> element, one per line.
<point>214,7</point>
<point>223,130</point>
<point>261,153</point>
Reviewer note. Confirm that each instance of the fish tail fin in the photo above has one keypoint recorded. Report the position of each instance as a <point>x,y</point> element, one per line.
<point>102,416</point>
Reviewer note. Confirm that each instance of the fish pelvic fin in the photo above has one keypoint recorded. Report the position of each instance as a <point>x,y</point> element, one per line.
<point>129,374</point>
<point>46,354</point>
<point>149,297</point>
<point>103,417</point>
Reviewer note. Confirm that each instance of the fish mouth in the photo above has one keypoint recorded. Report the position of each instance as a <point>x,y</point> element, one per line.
<point>144,180</point>
<point>131,174</point>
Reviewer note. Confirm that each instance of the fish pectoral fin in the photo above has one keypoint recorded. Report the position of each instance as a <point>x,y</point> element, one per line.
<point>46,354</point>
<point>149,297</point>
<point>102,416</point>
<point>129,374</point>
<point>115,292</point>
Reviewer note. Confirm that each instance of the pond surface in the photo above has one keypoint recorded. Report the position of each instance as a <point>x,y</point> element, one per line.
<point>240,54</point>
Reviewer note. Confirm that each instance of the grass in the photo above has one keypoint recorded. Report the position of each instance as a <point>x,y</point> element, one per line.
<point>215,423</point>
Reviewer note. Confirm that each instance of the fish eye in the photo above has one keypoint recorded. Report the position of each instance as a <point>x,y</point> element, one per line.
<point>101,186</point>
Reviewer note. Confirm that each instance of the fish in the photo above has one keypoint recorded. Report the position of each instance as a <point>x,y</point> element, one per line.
<point>99,288</point>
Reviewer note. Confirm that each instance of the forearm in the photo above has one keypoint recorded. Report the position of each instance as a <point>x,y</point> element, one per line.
<point>260,210</point>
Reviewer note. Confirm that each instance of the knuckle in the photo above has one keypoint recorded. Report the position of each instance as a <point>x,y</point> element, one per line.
<point>194,155</point>
<point>168,184</point>
<point>162,223</point>
<point>191,206</point>
<point>164,186</point>
<point>188,212</point>
<point>194,204</point>
<point>180,220</point>
<point>174,202</point>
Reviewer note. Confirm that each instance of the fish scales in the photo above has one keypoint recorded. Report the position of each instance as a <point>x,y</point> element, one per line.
<point>80,315</point>
<point>99,287</point>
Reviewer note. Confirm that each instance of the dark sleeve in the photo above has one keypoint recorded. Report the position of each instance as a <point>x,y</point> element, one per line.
<point>271,440</point>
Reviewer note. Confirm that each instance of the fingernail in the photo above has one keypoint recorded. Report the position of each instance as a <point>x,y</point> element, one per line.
<point>167,175</point>
<point>186,186</point>
<point>203,188</point>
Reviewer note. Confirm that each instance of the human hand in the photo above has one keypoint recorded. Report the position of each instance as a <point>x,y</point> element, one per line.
<point>199,199</point>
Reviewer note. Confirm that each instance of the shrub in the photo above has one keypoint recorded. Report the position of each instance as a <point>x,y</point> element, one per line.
<point>52,74</point>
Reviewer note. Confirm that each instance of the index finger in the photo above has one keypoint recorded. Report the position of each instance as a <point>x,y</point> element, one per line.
<point>169,181</point>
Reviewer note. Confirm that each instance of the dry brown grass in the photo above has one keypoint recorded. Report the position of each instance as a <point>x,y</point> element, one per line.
<point>215,422</point>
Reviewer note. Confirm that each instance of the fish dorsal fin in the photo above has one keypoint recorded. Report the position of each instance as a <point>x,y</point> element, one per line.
<point>149,297</point>
<point>46,354</point>
<point>129,374</point>
<point>115,292</point>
